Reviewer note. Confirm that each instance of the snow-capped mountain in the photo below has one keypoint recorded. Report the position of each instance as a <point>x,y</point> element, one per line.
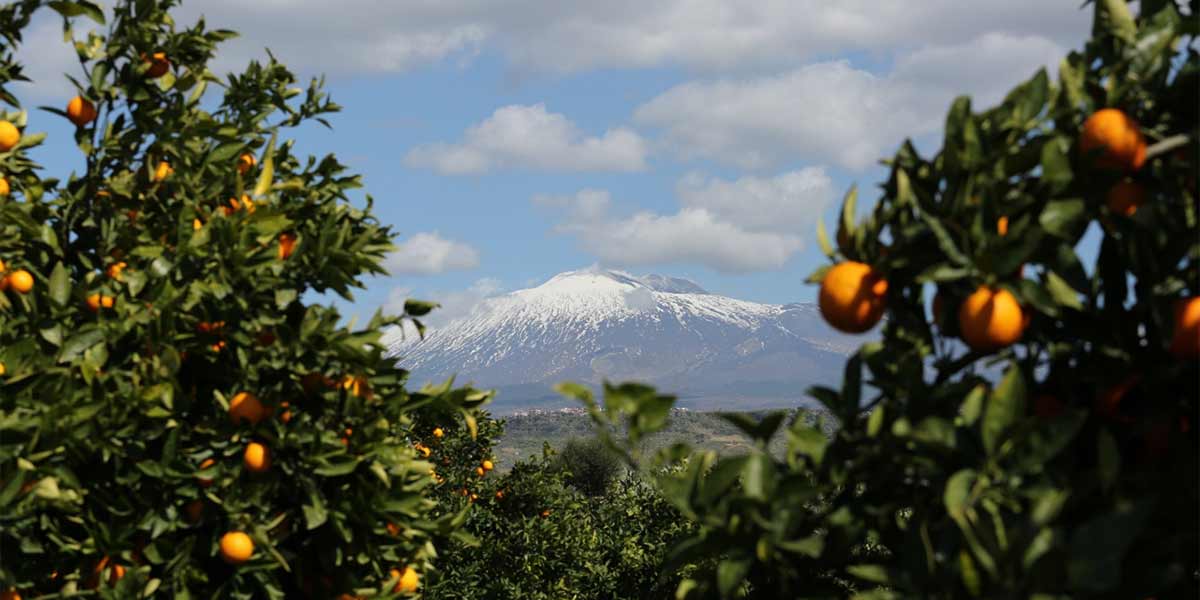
<point>591,325</point>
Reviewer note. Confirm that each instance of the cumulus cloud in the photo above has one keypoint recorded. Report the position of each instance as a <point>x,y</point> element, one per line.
<point>429,254</point>
<point>529,137</point>
<point>834,112</point>
<point>724,225</point>
<point>455,304</point>
<point>380,36</point>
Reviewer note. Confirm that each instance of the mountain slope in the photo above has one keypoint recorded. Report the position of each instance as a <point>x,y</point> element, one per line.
<point>592,325</point>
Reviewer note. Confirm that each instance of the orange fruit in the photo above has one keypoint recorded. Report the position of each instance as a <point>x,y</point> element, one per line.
<point>479,471</point>
<point>245,162</point>
<point>407,581</point>
<point>246,406</point>
<point>393,529</point>
<point>1186,341</point>
<point>487,465</point>
<point>10,594</point>
<point>499,494</point>
<point>545,513</point>
<point>357,386</point>
<point>163,171</point>
<point>96,301</point>
<point>20,281</point>
<point>236,547</point>
<point>114,270</point>
<point>81,111</point>
<point>4,189</point>
<point>256,457</point>
<point>115,574</point>
<point>9,136</point>
<point>235,205</point>
<point>852,297</point>
<point>1108,403</point>
<point>194,510</point>
<point>206,463</point>
<point>990,319</point>
<point>158,64</point>
<point>1125,198</point>
<point>437,432</point>
<point>287,244</point>
<point>1117,136</point>
<point>1002,226</point>
<point>3,369</point>
<point>197,224</point>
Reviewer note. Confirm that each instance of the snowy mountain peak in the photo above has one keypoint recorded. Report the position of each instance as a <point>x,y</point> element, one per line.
<point>596,324</point>
<point>599,281</point>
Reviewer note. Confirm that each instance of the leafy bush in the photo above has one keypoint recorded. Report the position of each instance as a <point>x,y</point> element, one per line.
<point>175,418</point>
<point>1073,475</point>
<point>589,465</point>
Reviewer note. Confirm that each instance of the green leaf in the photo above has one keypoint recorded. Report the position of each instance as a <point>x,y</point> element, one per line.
<point>78,7</point>
<point>418,308</point>
<point>1112,17</point>
<point>1098,547</point>
<point>1064,218</point>
<point>808,441</point>
<point>1062,292</point>
<point>76,344</point>
<point>846,224</point>
<point>267,174</point>
<point>972,406</point>
<point>823,239</point>
<point>1108,459</point>
<point>758,477</point>
<point>60,285</point>
<point>730,574</point>
<point>1006,406</point>
<point>1056,164</point>
<point>284,297</point>
<point>314,511</point>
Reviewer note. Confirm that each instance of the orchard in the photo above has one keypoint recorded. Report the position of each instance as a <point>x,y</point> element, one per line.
<point>1073,474</point>
<point>178,418</point>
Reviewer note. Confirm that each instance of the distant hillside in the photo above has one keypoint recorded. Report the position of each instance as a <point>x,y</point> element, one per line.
<point>525,433</point>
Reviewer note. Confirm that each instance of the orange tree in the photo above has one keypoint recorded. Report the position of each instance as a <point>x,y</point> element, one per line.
<point>1074,474</point>
<point>175,418</point>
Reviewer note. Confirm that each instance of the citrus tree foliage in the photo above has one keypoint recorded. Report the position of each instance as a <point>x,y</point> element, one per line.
<point>164,385</point>
<point>532,534</point>
<point>1072,475</point>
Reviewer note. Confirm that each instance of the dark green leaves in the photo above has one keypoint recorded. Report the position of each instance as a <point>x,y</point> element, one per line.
<point>1005,406</point>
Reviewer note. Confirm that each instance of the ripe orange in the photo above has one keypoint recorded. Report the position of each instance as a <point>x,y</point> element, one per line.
<point>246,406</point>
<point>287,244</point>
<point>487,465</point>
<point>206,463</point>
<point>195,510</point>
<point>235,205</point>
<point>357,386</point>
<point>545,513</point>
<point>3,369</point>
<point>9,136</point>
<point>245,163</point>
<point>81,111</point>
<point>256,457</point>
<point>1115,134</point>
<point>20,281</point>
<point>1125,198</point>
<point>407,581</point>
<point>393,529</point>
<point>96,301</point>
<point>10,594</point>
<point>114,270</point>
<point>4,189</point>
<point>479,471</point>
<point>162,171</point>
<point>990,319</point>
<point>499,494</point>
<point>1186,342</point>
<point>115,574</point>
<point>852,297</point>
<point>197,224</point>
<point>158,65</point>
<point>437,432</point>
<point>1002,226</point>
<point>236,547</point>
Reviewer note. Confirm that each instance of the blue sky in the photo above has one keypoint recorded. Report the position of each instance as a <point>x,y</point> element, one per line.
<point>509,141</point>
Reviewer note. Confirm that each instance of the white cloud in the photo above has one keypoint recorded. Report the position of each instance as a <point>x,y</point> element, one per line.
<point>429,254</point>
<point>787,203</point>
<point>455,304</point>
<point>833,112</point>
<point>556,36</point>
<point>529,137</point>
<point>749,224</point>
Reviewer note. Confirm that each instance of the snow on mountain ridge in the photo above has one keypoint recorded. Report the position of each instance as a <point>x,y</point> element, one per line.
<point>594,324</point>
